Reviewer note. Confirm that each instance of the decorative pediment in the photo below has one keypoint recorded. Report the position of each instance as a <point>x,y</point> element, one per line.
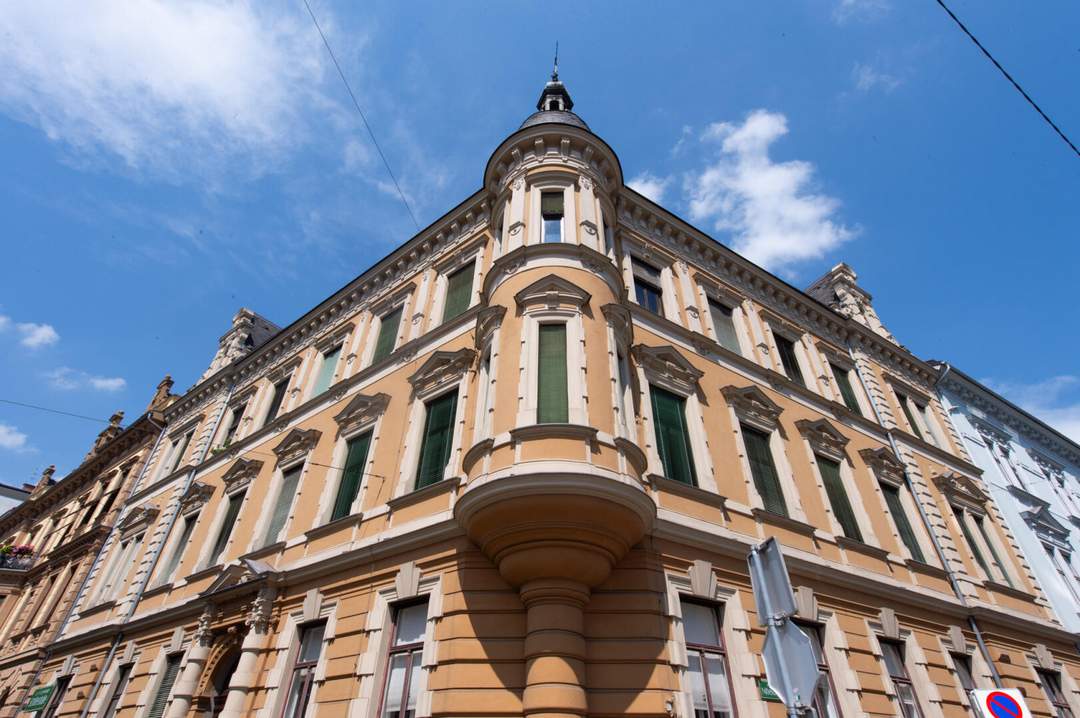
<point>488,320</point>
<point>961,489</point>
<point>237,572</point>
<point>296,444</point>
<point>1047,527</point>
<point>137,520</point>
<point>990,433</point>
<point>823,438</point>
<point>241,473</point>
<point>621,323</point>
<point>196,495</point>
<point>753,406</point>
<point>884,465</point>
<point>552,292</point>
<point>442,367</point>
<point>667,365</point>
<point>1048,466</point>
<point>362,409</point>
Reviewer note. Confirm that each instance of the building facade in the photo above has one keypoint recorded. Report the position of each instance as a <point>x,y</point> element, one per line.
<point>49,542</point>
<point>515,468</point>
<point>1033,473</point>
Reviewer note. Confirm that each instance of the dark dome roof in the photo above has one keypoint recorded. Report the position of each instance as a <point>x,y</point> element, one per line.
<point>561,117</point>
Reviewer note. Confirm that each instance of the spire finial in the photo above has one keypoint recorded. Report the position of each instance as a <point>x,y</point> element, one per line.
<point>555,70</point>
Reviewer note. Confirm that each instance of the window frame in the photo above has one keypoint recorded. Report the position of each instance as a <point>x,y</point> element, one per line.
<point>399,302</point>
<point>175,548</point>
<point>275,401</point>
<point>338,349</point>
<point>657,390</point>
<point>655,284</point>
<point>63,683</point>
<point>544,219</point>
<point>367,429</point>
<point>426,403</point>
<point>797,373</point>
<point>261,539</point>
<point>562,383</point>
<point>296,665</point>
<point>717,610</point>
<point>160,679</point>
<point>235,413</point>
<point>900,645</point>
<point>815,631</point>
<point>1054,692</point>
<point>769,435</point>
<point>118,687</point>
<point>860,534</point>
<point>223,527</point>
<point>416,647</point>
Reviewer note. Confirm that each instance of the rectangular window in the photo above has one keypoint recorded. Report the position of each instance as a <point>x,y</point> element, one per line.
<point>57,697</point>
<point>178,549</point>
<point>438,439</point>
<point>302,677</point>
<point>458,292</point>
<point>763,470</point>
<point>707,669</point>
<point>838,497</point>
<point>277,399</point>
<point>179,448</point>
<point>824,701</point>
<point>403,661</point>
<point>551,209</point>
<point>1051,685</point>
<point>980,524</point>
<point>893,654</point>
<point>235,416</point>
<point>962,665</point>
<point>969,537</point>
<point>356,451</point>
<point>647,286</point>
<point>326,370</point>
<point>1063,563</point>
<point>551,386</point>
<point>168,678</point>
<point>900,519</point>
<point>924,413</point>
<point>388,331</point>
<point>905,405</point>
<point>723,321</point>
<point>847,391</point>
<point>789,359</point>
<point>233,510</point>
<point>123,675</point>
<point>672,436</point>
<point>290,479</point>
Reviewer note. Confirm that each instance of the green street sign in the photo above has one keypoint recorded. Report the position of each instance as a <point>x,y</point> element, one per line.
<point>766,693</point>
<point>39,698</point>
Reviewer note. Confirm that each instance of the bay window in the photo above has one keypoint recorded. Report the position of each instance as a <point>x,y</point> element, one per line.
<point>552,406</point>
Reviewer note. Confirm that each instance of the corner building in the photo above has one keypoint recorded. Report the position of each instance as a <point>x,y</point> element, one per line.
<point>515,469</point>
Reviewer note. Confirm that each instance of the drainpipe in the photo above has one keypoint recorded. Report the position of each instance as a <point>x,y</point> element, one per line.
<point>953,582</point>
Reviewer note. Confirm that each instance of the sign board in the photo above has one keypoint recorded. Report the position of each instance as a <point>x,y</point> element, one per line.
<point>772,587</point>
<point>1000,703</point>
<point>39,698</point>
<point>765,693</point>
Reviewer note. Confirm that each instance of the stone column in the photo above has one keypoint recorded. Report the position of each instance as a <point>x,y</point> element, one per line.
<point>243,679</point>
<point>184,690</point>
<point>554,648</point>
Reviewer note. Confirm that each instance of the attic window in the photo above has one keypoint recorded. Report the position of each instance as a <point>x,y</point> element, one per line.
<point>554,104</point>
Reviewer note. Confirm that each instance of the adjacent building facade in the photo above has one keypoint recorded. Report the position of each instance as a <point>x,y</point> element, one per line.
<point>515,468</point>
<point>1033,473</point>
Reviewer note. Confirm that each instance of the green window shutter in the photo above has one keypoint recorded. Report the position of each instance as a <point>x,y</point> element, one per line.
<point>903,526</point>
<point>979,558</point>
<point>458,292</point>
<point>388,331</point>
<point>326,371</point>
<point>551,203</point>
<point>178,549</point>
<point>838,498</point>
<point>161,698</point>
<point>235,501</point>
<point>278,399</point>
<point>551,389</point>
<point>289,481</point>
<point>355,459</point>
<point>993,551</point>
<point>672,438</point>
<point>724,326</point>
<point>908,415</point>
<point>438,437</point>
<point>763,470</point>
<point>789,359</point>
<point>847,392</point>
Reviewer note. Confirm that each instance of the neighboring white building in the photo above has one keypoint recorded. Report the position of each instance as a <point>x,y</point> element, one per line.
<point>10,497</point>
<point>1033,472</point>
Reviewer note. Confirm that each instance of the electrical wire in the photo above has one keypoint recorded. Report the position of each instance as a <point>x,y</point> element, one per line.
<point>356,104</point>
<point>1007,77</point>
<point>53,411</point>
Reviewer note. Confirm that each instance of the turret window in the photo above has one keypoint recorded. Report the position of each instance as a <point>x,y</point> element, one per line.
<point>551,391</point>
<point>647,289</point>
<point>551,210</point>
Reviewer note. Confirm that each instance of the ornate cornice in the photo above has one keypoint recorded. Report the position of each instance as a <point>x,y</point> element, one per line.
<point>136,520</point>
<point>440,368</point>
<point>488,320</point>
<point>362,409</point>
<point>296,444</point>
<point>962,490</point>
<point>884,464</point>
<point>241,474</point>
<point>196,495</point>
<point>753,406</point>
<point>823,437</point>
<point>669,365</point>
<point>552,292</point>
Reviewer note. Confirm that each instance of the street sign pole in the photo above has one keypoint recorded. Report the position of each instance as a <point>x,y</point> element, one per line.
<point>791,666</point>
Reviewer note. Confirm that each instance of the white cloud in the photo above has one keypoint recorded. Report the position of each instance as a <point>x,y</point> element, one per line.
<point>168,88</point>
<point>771,210</point>
<point>12,439</point>
<point>867,78</point>
<point>35,336</point>
<point>847,10</point>
<point>650,185</point>
<point>5,322</point>
<point>1055,400</point>
<point>67,379</point>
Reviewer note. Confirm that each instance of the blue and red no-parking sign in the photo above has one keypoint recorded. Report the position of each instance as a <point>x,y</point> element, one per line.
<point>1001,705</point>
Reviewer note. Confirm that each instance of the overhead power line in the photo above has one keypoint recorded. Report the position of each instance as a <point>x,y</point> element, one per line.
<point>1007,76</point>
<point>356,104</point>
<point>53,411</point>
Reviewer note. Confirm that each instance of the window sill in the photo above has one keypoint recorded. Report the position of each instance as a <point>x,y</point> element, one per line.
<point>695,493</point>
<point>1008,590</point>
<point>862,547</point>
<point>783,521</point>
<point>332,526</point>
<point>99,608</point>
<point>414,497</point>
<point>923,567</point>
<point>263,551</point>
<point>203,573</point>
<point>162,588</point>
<point>554,431</point>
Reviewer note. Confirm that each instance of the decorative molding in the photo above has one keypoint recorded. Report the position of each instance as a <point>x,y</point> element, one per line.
<point>884,464</point>
<point>441,368</point>
<point>753,406</point>
<point>806,604</point>
<point>890,626</point>
<point>296,444</point>
<point>990,433</point>
<point>962,490</point>
<point>552,292</point>
<point>823,438</point>
<point>196,495</point>
<point>1046,527</point>
<point>407,581</point>
<point>668,365</point>
<point>488,320</point>
<point>621,322</point>
<point>957,640</point>
<point>702,579</point>
<point>1043,657</point>
<point>137,520</point>
<point>241,474</point>
<point>362,409</point>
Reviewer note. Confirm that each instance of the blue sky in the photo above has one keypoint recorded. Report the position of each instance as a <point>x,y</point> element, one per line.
<point>165,165</point>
